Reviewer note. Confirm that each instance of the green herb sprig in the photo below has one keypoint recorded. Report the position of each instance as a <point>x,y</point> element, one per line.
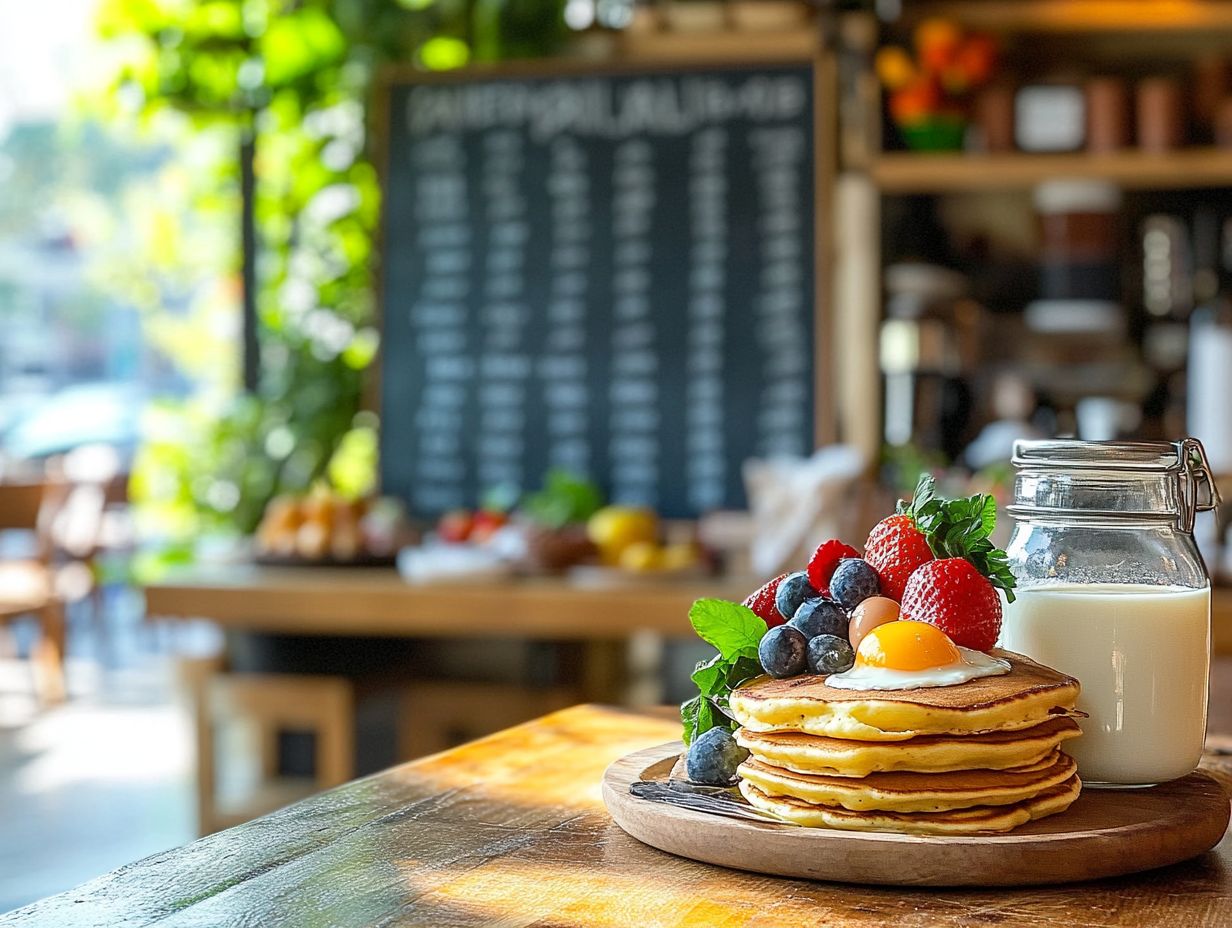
<point>734,631</point>
<point>564,500</point>
<point>961,528</point>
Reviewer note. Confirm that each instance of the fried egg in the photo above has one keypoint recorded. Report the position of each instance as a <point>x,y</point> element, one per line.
<point>903,655</point>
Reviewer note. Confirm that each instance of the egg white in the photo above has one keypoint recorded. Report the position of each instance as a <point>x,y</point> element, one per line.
<point>971,664</point>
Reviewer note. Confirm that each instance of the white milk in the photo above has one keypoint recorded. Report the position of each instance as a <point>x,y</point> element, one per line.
<point>1142,655</point>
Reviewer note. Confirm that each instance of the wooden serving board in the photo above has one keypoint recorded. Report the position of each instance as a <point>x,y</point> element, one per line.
<point>1104,833</point>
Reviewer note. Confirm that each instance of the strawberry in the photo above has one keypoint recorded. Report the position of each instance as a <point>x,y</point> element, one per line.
<point>761,602</point>
<point>456,526</point>
<point>821,565</point>
<point>955,587</point>
<point>485,524</point>
<point>894,549</point>
<point>955,597</point>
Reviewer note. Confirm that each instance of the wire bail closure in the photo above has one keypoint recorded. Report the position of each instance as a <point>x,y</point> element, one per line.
<point>1199,492</point>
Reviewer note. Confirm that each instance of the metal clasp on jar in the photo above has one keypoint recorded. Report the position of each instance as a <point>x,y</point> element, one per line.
<point>1198,490</point>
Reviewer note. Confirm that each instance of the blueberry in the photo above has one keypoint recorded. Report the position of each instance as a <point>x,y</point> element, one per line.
<point>782,651</point>
<point>713,758</point>
<point>830,654</point>
<point>820,616</point>
<point>793,590</point>
<point>853,582</point>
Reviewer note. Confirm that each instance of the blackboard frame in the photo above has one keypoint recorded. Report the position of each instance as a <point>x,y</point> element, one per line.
<point>824,118</point>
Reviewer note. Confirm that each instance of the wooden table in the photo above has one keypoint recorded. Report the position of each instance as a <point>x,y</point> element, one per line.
<point>510,831</point>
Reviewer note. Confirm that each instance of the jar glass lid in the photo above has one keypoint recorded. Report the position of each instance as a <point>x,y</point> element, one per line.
<point>1118,455</point>
<point>1118,479</point>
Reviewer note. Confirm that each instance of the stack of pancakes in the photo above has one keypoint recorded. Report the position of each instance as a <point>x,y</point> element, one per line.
<point>980,756</point>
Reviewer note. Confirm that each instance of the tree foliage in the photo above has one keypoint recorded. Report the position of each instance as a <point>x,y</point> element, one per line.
<point>295,76</point>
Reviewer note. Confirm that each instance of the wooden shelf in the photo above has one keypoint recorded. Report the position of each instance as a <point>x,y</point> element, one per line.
<point>910,172</point>
<point>1078,16</point>
<point>730,45</point>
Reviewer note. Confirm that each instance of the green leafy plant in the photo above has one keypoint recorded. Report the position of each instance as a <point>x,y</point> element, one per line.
<point>735,632</point>
<point>564,500</point>
<point>961,528</point>
<point>287,83</point>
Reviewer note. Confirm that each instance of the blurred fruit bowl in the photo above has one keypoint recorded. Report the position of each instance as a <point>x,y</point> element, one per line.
<point>474,526</point>
<point>599,576</point>
<point>631,539</point>
<point>635,546</point>
<point>615,530</point>
<point>556,550</point>
<point>324,528</point>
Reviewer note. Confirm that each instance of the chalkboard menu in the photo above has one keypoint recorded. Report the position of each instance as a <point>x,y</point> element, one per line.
<point>611,273</point>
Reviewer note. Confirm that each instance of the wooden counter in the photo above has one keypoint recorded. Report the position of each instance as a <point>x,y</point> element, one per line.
<point>370,601</point>
<point>510,831</point>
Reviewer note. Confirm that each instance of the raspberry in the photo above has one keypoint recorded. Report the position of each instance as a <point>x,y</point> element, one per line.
<point>821,565</point>
<point>761,602</point>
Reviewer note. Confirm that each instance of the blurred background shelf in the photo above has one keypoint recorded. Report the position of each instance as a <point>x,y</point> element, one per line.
<point>949,302</point>
<point>722,46</point>
<point>1066,16</point>
<point>912,173</point>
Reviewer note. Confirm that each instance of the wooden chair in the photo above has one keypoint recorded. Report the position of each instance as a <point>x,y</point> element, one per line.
<point>27,585</point>
<point>89,519</point>
<point>273,703</point>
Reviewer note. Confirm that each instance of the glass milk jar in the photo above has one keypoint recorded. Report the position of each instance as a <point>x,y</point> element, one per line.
<point>1112,590</point>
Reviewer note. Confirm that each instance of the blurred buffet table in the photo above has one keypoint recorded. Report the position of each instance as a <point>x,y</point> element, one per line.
<point>511,830</point>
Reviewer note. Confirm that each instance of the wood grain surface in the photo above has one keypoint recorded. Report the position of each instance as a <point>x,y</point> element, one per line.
<point>1105,833</point>
<point>511,831</point>
<point>373,601</point>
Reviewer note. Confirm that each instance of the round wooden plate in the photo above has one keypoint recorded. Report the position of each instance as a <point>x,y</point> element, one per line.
<point>1104,833</point>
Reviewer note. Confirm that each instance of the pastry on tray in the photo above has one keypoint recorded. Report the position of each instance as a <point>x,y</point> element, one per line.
<point>866,692</point>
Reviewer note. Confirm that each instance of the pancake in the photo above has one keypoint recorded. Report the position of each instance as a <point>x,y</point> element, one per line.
<point>913,792</point>
<point>976,820</point>
<point>998,750</point>
<point>1023,698</point>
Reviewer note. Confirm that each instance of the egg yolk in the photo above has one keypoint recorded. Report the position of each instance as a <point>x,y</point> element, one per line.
<point>907,645</point>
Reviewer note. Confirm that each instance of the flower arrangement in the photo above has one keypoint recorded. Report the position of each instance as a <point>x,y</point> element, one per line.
<point>930,93</point>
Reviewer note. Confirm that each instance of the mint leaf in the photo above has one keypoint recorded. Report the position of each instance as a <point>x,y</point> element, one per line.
<point>961,528</point>
<point>734,630</point>
<point>709,717</point>
<point>689,710</point>
<point>989,515</point>
<point>699,715</point>
<point>924,495</point>
<point>688,718</point>
<point>710,676</point>
<point>742,670</point>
